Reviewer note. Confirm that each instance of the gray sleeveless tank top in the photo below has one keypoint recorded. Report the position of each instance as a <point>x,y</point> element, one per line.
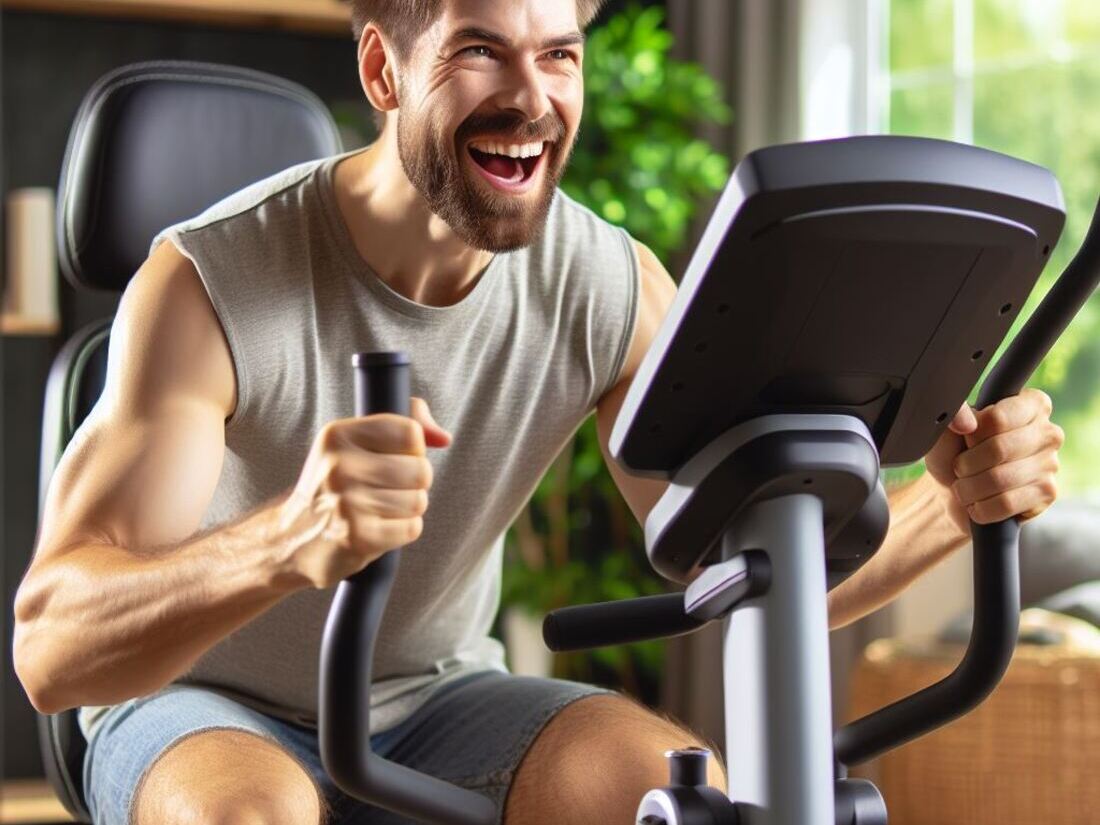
<point>511,370</point>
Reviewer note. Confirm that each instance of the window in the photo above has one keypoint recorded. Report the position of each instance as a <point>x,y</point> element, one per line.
<point>1020,77</point>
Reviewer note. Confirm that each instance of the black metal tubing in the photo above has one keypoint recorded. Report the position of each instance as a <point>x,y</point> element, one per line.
<point>615,623</point>
<point>996,558</point>
<point>347,657</point>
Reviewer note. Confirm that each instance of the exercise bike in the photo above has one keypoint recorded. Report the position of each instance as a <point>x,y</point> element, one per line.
<point>842,303</point>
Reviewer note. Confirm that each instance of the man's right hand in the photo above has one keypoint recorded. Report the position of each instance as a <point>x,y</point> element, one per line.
<point>362,492</point>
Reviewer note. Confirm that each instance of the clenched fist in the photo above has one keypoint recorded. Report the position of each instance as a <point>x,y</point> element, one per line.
<point>363,491</point>
<point>1000,461</point>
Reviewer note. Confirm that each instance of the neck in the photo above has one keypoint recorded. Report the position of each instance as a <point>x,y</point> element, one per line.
<point>411,249</point>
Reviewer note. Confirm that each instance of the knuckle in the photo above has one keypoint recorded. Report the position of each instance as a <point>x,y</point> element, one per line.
<point>424,474</point>
<point>1048,486</point>
<point>328,437</point>
<point>1045,401</point>
<point>958,489</point>
<point>412,433</point>
<point>1058,435</point>
<point>421,505</point>
<point>999,449</point>
<point>368,526</point>
<point>997,507</point>
<point>997,419</point>
<point>959,464</point>
<point>332,472</point>
<point>1002,477</point>
<point>337,475</point>
<point>415,526</point>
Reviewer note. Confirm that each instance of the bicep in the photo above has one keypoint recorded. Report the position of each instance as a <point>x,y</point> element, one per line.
<point>142,467</point>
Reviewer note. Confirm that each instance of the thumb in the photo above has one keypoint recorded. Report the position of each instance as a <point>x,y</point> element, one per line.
<point>434,434</point>
<point>964,422</point>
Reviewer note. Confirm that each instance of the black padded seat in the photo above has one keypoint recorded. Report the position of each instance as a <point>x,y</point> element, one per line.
<point>152,144</point>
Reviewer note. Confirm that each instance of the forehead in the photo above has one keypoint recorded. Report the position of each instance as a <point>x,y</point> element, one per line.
<point>522,21</point>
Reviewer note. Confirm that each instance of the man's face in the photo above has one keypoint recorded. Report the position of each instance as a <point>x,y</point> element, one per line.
<point>489,101</point>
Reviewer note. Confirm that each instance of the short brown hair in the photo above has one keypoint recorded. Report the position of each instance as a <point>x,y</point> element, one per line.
<point>405,20</point>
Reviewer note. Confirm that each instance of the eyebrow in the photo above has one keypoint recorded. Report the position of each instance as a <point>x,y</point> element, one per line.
<point>476,33</point>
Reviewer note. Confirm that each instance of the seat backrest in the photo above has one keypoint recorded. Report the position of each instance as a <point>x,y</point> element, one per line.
<point>152,144</point>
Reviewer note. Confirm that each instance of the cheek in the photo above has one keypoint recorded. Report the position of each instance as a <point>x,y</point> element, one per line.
<point>568,97</point>
<point>461,94</point>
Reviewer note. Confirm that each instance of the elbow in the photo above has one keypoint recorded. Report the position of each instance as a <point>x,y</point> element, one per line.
<point>41,690</point>
<point>31,660</point>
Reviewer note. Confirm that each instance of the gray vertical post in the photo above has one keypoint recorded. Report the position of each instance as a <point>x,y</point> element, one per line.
<point>776,658</point>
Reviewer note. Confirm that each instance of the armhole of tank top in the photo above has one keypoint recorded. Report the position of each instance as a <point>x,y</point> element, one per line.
<point>220,305</point>
<point>633,290</point>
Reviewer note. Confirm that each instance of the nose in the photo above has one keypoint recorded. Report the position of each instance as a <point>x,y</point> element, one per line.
<point>524,91</point>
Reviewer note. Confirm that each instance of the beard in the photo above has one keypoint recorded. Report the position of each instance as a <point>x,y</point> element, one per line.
<point>481,217</point>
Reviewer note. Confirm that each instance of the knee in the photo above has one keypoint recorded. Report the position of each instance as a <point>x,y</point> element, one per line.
<point>596,760</point>
<point>227,777</point>
<point>625,746</point>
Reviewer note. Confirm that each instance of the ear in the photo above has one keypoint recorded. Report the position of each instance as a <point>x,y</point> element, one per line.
<point>376,70</point>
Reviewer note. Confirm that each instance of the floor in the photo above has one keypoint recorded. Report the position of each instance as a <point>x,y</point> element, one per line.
<point>30,802</point>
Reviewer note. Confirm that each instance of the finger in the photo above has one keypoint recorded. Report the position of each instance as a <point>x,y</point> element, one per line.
<point>1009,446</point>
<point>1032,499</point>
<point>434,434</point>
<point>964,421</point>
<point>1003,477</point>
<point>385,470</point>
<point>1009,414</point>
<point>388,532</point>
<point>380,433</point>
<point>388,503</point>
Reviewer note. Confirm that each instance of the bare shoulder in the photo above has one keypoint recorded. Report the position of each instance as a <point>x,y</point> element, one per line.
<point>167,332</point>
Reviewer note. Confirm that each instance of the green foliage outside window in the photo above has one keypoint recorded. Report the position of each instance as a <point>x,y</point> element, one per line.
<point>1035,95</point>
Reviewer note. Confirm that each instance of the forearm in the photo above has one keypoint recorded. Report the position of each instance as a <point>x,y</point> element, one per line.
<point>921,535</point>
<point>102,623</point>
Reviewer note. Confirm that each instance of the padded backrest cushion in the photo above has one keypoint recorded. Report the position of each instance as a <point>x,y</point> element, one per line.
<point>157,142</point>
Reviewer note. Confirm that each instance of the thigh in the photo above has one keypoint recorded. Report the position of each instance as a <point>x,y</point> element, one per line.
<point>191,748</point>
<point>475,733</point>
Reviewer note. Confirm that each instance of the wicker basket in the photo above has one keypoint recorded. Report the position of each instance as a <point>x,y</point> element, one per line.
<point>1030,754</point>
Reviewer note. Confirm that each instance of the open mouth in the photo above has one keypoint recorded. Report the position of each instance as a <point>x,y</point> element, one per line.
<point>508,166</point>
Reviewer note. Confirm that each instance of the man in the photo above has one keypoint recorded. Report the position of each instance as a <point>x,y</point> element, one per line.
<point>222,485</point>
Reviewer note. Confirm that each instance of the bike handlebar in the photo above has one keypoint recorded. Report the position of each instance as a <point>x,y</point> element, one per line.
<point>996,546</point>
<point>347,657</point>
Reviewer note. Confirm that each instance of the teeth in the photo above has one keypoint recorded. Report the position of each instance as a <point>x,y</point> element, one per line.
<point>514,150</point>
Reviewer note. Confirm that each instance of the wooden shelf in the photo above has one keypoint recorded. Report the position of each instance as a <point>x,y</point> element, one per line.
<point>30,800</point>
<point>313,16</point>
<point>18,325</point>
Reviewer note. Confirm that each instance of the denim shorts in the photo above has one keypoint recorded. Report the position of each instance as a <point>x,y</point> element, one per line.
<point>473,732</point>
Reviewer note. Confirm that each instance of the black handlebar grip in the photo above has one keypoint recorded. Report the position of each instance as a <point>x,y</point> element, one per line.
<point>615,623</point>
<point>347,655</point>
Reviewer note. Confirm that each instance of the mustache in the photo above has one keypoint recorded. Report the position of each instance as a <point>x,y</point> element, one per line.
<point>549,127</point>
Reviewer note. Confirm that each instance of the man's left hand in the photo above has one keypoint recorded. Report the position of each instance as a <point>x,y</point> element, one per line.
<point>1000,461</point>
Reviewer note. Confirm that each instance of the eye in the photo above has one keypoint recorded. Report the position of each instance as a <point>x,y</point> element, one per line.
<point>559,54</point>
<point>477,51</point>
